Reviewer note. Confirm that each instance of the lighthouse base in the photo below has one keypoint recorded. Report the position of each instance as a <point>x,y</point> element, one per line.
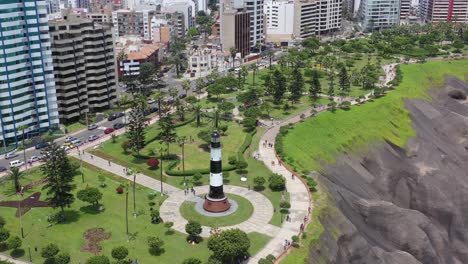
<point>216,205</point>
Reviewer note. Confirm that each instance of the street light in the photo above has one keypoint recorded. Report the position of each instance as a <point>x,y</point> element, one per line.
<point>20,213</point>
<point>182,144</point>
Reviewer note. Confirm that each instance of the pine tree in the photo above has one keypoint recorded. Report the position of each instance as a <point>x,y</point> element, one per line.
<point>59,173</point>
<point>344,80</point>
<point>278,85</point>
<point>167,134</point>
<point>267,85</point>
<point>331,85</point>
<point>296,86</point>
<point>315,86</point>
<point>136,127</point>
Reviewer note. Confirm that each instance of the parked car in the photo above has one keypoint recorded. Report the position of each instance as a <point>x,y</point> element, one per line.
<point>114,116</point>
<point>70,139</point>
<point>182,96</point>
<point>2,169</point>
<point>151,101</point>
<point>92,127</point>
<point>11,155</point>
<point>119,114</point>
<point>93,137</point>
<point>77,143</point>
<point>66,148</point>
<point>33,159</point>
<point>16,163</point>
<point>118,126</point>
<point>41,145</point>
<point>108,130</point>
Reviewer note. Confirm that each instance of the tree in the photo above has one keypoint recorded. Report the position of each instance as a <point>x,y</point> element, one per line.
<point>167,134</point>
<point>266,107</point>
<point>90,195</point>
<point>147,71</point>
<point>49,251</point>
<point>331,85</point>
<point>311,44</point>
<point>136,127</point>
<point>185,85</point>
<point>194,230</point>
<point>98,260</point>
<point>259,181</point>
<point>198,110</point>
<point>15,175</point>
<point>296,86</point>
<point>216,89</point>
<point>267,84</point>
<point>344,80</point>
<point>243,72</point>
<point>14,243</point>
<point>126,145</point>
<point>254,68</point>
<point>458,45</point>
<point>119,253</point>
<point>233,52</point>
<point>192,261</point>
<point>155,245</point>
<point>59,173</point>
<point>62,258</point>
<point>315,86</point>
<point>230,246</point>
<point>278,86</point>
<point>226,107</point>
<point>276,182</point>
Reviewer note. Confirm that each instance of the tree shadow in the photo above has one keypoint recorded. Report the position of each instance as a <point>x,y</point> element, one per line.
<point>169,232</point>
<point>17,253</point>
<point>259,188</point>
<point>3,247</point>
<point>71,216</point>
<point>156,252</point>
<point>90,209</point>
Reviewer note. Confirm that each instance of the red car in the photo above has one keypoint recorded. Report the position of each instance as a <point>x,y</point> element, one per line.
<point>108,130</point>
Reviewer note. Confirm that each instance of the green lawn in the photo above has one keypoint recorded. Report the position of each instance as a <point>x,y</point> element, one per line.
<point>74,127</point>
<point>243,213</point>
<point>257,242</point>
<point>69,235</point>
<point>319,140</point>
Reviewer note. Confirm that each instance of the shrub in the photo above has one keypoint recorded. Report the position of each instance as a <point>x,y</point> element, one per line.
<point>194,230</point>
<point>90,195</point>
<point>230,245</point>
<point>232,160</point>
<point>49,251</point>
<point>242,165</point>
<point>192,261</point>
<point>285,204</point>
<point>312,184</point>
<point>119,253</point>
<point>62,258</point>
<point>126,145</point>
<point>14,242</point>
<point>151,196</point>
<point>197,179</point>
<point>155,217</point>
<point>120,190</point>
<point>98,260</point>
<point>259,181</point>
<point>277,182</point>
<point>4,234</point>
<point>2,221</point>
<point>295,239</point>
<point>155,245</point>
<point>152,162</point>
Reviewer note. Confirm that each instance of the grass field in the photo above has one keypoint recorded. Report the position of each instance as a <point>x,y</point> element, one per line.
<point>243,213</point>
<point>318,140</point>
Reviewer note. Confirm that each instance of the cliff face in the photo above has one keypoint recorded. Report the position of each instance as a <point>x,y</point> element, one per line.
<point>404,205</point>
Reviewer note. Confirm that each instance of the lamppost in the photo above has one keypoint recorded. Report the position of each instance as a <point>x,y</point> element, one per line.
<point>182,144</point>
<point>21,213</point>
<point>161,149</point>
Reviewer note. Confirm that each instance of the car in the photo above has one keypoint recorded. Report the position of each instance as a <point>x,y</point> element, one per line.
<point>118,126</point>
<point>66,148</point>
<point>70,139</point>
<point>93,137</point>
<point>16,163</point>
<point>108,130</point>
<point>119,114</point>
<point>92,127</point>
<point>33,159</point>
<point>182,96</point>
<point>77,143</point>
<point>112,117</point>
<point>151,101</point>
<point>2,169</point>
<point>194,89</point>
<point>11,155</point>
<point>41,145</point>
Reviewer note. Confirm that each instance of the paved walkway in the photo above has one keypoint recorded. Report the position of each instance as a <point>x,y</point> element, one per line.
<point>258,222</point>
<point>16,261</point>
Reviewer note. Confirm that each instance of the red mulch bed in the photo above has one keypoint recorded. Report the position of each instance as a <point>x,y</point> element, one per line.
<point>26,204</point>
<point>34,184</point>
<point>93,238</point>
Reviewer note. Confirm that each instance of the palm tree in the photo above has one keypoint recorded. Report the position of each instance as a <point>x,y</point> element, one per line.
<point>122,56</point>
<point>173,92</point>
<point>185,85</point>
<point>233,52</point>
<point>182,141</point>
<point>15,174</point>
<point>198,110</point>
<point>254,69</point>
<point>158,96</point>
<point>269,54</point>
<point>244,72</point>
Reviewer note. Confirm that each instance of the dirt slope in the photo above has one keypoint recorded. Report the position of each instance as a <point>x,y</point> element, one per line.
<point>404,205</point>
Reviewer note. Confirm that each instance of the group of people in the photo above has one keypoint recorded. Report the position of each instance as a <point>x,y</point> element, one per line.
<point>186,191</point>
<point>267,144</point>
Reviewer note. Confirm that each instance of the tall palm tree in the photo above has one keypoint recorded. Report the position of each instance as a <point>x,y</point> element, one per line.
<point>185,85</point>
<point>233,52</point>
<point>254,69</point>
<point>269,54</point>
<point>158,96</point>
<point>15,175</point>
<point>198,110</point>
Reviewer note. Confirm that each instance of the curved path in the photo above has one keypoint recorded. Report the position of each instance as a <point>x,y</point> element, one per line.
<point>258,222</point>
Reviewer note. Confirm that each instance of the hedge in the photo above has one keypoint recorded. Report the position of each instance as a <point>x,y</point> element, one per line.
<point>245,145</point>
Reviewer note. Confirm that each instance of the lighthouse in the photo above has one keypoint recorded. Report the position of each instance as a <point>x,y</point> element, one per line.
<point>216,201</point>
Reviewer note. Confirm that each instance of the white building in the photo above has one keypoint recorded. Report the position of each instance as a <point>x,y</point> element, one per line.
<point>257,29</point>
<point>27,89</point>
<point>378,14</point>
<point>53,6</point>
<point>185,8</point>
<point>279,17</point>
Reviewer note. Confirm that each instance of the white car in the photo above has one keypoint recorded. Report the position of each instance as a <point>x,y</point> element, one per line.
<point>151,101</point>
<point>16,163</point>
<point>33,159</point>
<point>77,143</point>
<point>70,139</point>
<point>93,137</point>
<point>92,126</point>
<point>66,148</point>
<point>11,155</point>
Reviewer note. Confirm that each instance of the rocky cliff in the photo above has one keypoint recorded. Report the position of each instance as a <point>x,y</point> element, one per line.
<point>404,205</point>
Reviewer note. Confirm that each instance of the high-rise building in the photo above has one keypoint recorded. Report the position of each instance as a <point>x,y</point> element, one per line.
<point>405,6</point>
<point>257,25</point>
<point>235,28</point>
<point>444,10</point>
<point>316,17</point>
<point>53,6</point>
<point>378,14</point>
<point>27,88</point>
<point>84,66</point>
<point>279,17</point>
<point>132,22</point>
<point>185,8</point>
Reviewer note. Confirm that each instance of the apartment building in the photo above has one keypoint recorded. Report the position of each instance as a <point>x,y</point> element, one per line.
<point>444,11</point>
<point>133,22</point>
<point>405,6</point>
<point>378,14</point>
<point>257,25</point>
<point>27,88</point>
<point>235,19</point>
<point>279,16</point>
<point>317,17</point>
<point>84,66</point>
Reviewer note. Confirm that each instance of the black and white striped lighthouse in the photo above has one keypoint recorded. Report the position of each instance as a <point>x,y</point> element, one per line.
<point>216,200</point>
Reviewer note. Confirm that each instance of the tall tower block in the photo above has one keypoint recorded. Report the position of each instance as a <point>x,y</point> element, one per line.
<point>216,201</point>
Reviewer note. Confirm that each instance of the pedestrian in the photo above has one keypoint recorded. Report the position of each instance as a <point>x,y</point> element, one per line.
<point>109,162</point>
<point>92,157</point>
<point>279,163</point>
<point>302,227</point>
<point>194,192</point>
<point>309,209</point>
<point>249,187</point>
<point>292,176</point>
